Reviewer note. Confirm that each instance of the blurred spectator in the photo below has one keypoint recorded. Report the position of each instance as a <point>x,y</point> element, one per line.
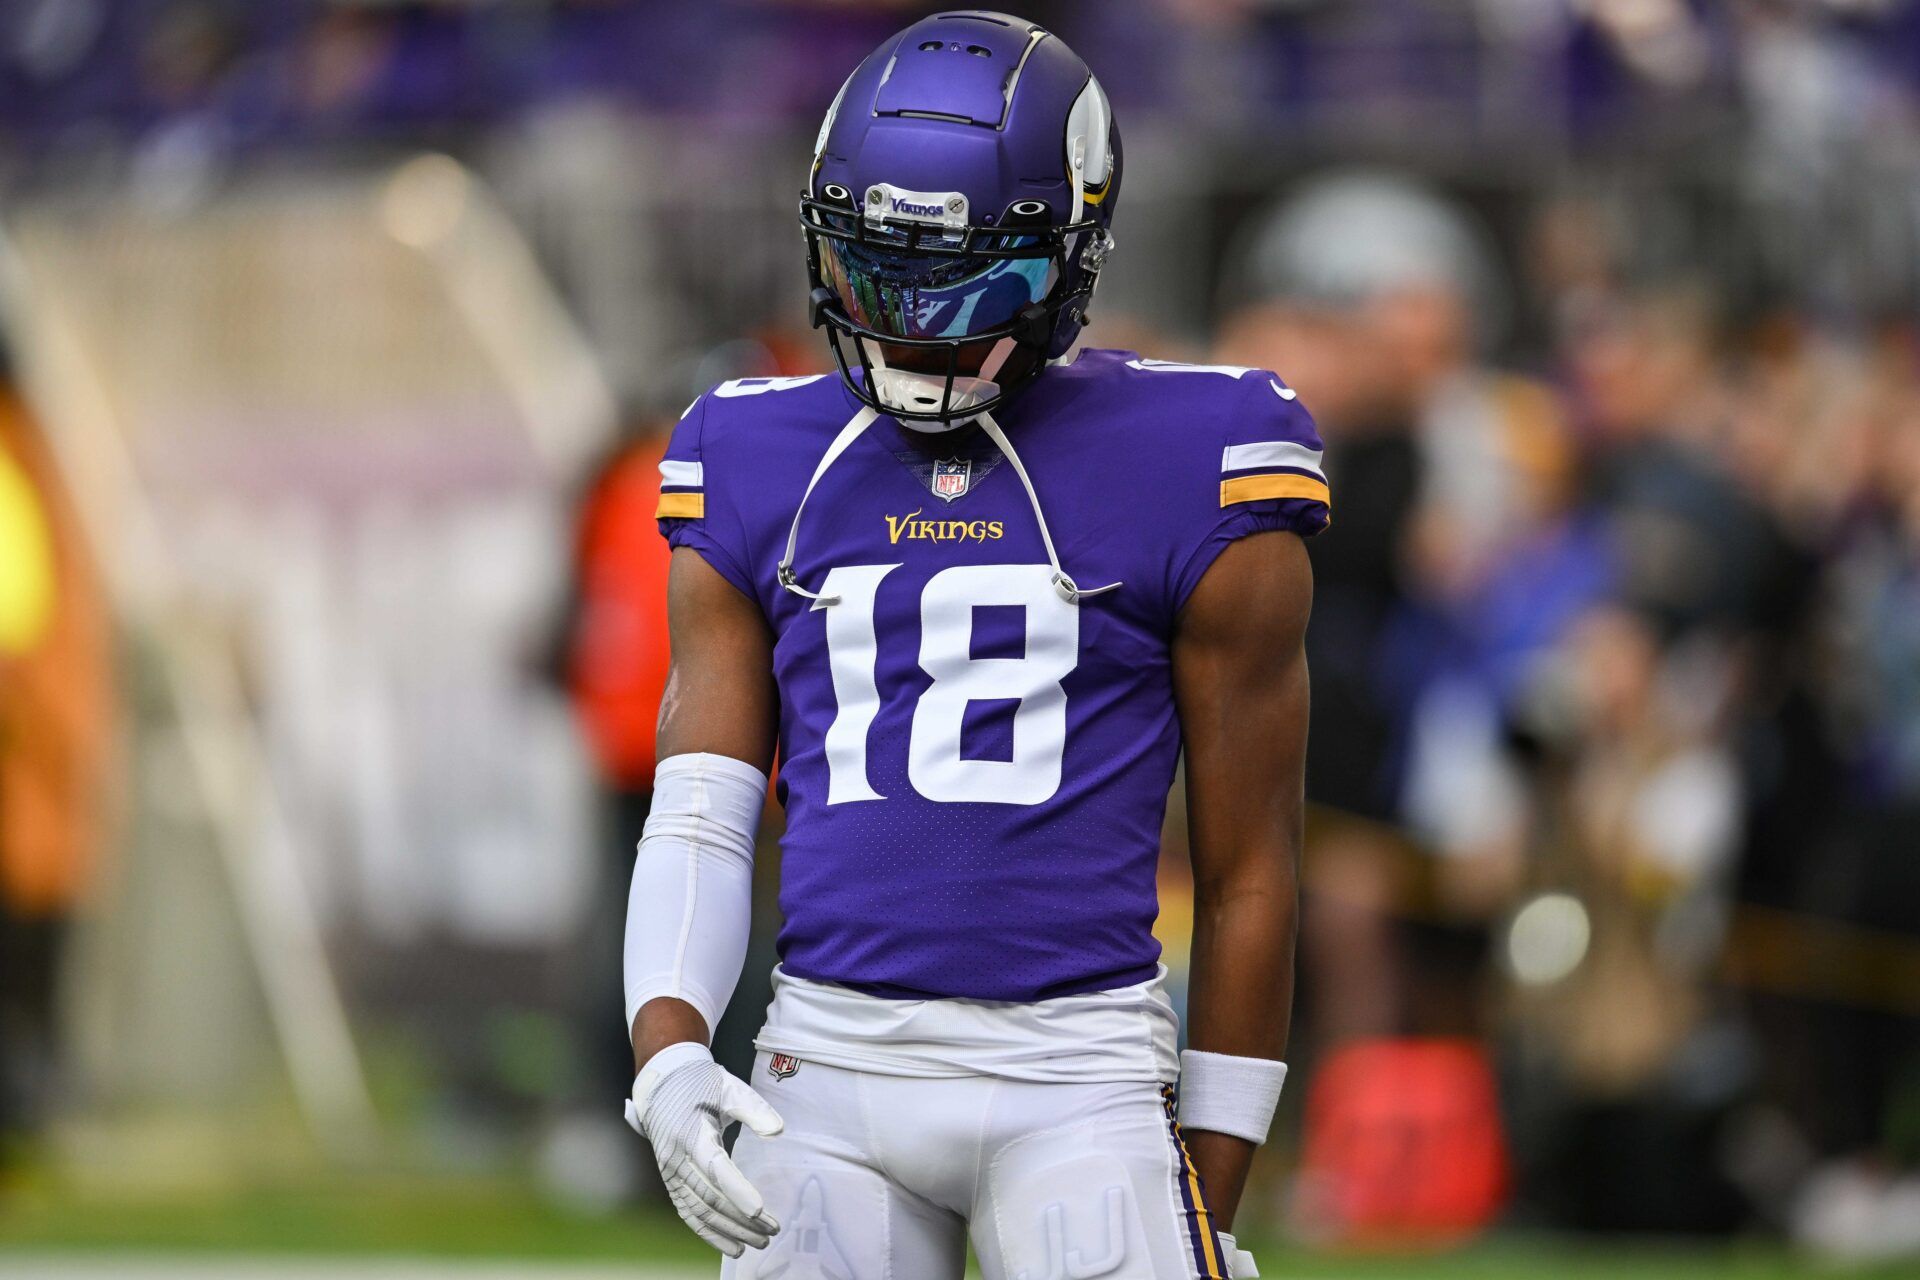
<point>1849,1068</point>
<point>615,664</point>
<point>55,734</point>
<point>617,660</point>
<point>1455,562</point>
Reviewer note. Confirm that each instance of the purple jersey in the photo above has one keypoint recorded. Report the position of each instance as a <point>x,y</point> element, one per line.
<point>974,770</point>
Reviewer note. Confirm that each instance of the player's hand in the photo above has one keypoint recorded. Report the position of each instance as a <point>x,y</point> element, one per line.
<point>1239,1262</point>
<point>682,1102</point>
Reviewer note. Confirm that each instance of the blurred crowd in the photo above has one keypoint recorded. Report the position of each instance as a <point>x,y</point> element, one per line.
<point>1610,317</point>
<point>1613,656</point>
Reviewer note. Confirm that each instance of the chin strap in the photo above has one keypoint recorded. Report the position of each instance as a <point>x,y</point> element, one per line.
<point>1068,589</point>
<point>895,387</point>
<point>848,434</point>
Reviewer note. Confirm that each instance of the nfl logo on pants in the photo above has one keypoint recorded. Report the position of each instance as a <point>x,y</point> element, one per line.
<point>782,1065</point>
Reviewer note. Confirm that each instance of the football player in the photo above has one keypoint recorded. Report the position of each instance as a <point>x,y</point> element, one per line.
<point>981,594</point>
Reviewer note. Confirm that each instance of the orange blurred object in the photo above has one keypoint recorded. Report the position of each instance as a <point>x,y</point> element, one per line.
<point>618,654</point>
<point>57,725</point>
<point>1404,1145</point>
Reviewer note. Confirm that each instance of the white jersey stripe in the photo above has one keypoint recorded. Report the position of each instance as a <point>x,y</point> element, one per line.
<point>687,474</point>
<point>1271,453</point>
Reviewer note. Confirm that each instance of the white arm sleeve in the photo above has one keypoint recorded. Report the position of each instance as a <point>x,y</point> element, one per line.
<point>692,897</point>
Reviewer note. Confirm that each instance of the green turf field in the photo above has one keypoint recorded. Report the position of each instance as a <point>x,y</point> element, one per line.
<point>413,1230</point>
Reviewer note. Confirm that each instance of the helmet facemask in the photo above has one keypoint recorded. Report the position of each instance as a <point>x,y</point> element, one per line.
<point>945,320</point>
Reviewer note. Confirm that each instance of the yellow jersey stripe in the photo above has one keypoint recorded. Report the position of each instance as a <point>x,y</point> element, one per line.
<point>1286,485</point>
<point>681,506</point>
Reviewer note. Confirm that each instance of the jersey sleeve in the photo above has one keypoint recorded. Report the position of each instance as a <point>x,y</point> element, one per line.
<point>693,511</point>
<point>1271,475</point>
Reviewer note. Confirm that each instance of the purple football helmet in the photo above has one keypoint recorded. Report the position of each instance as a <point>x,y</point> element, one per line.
<point>957,214</point>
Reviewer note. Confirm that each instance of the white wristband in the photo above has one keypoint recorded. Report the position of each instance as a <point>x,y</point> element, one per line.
<point>1224,1094</point>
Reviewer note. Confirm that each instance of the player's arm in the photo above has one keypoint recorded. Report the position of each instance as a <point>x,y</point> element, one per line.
<point>1240,680</point>
<point>720,701</point>
<point>689,909</point>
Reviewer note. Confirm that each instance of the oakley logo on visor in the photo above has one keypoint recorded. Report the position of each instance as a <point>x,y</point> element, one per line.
<point>894,204</point>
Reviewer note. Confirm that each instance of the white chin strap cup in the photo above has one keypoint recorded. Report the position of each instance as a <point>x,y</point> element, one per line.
<point>911,392</point>
<point>924,392</point>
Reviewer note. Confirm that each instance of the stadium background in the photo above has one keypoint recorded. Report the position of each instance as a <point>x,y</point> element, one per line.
<point>338,336</point>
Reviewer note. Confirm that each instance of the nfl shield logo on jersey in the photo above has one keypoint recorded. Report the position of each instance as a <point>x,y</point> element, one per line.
<point>782,1065</point>
<point>951,477</point>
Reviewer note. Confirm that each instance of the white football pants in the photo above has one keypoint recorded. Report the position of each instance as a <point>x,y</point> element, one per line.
<point>881,1177</point>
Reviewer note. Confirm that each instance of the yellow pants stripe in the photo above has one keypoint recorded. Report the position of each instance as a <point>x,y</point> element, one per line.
<point>1212,1267</point>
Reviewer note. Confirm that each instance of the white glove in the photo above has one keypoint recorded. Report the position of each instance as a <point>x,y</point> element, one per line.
<point>682,1102</point>
<point>1239,1261</point>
